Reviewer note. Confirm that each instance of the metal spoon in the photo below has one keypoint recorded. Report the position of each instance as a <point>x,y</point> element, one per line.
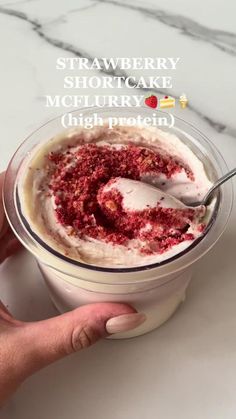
<point>216,185</point>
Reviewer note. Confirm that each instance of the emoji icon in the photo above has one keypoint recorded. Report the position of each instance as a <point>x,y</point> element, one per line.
<point>167,102</point>
<point>183,101</point>
<point>151,101</point>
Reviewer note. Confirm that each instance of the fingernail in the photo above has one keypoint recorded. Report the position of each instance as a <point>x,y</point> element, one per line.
<point>124,322</point>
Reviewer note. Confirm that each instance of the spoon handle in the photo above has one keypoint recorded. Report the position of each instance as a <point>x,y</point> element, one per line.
<point>219,182</point>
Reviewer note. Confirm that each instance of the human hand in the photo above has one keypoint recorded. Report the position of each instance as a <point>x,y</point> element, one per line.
<point>27,347</point>
<point>8,242</point>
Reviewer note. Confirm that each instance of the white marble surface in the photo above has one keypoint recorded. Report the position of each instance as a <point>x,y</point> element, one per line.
<point>186,369</point>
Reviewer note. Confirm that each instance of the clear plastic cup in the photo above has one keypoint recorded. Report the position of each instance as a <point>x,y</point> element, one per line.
<point>156,289</point>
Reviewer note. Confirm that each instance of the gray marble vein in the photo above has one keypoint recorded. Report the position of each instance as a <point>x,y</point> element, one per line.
<point>16,3</point>
<point>38,29</point>
<point>225,41</point>
<point>64,17</point>
<point>83,8</point>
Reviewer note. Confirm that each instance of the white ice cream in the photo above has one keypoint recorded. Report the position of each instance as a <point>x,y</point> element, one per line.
<point>39,210</point>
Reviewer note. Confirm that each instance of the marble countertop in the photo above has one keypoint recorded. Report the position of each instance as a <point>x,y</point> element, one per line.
<point>185,369</point>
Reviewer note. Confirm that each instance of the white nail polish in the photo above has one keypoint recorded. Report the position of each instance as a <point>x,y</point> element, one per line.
<point>124,322</point>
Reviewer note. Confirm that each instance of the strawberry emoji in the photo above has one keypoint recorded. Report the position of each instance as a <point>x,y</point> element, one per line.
<point>151,101</point>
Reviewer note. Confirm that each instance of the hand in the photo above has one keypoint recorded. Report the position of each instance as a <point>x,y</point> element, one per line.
<point>27,347</point>
<point>8,242</point>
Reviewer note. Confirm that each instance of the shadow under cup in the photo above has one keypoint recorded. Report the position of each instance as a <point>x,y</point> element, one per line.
<point>156,289</point>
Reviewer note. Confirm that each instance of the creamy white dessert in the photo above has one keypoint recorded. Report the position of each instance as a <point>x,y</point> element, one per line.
<point>87,194</point>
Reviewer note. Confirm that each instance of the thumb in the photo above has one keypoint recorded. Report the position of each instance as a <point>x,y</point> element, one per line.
<point>46,341</point>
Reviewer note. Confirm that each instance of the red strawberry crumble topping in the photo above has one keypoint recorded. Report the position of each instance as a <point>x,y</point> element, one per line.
<point>77,178</point>
<point>160,228</point>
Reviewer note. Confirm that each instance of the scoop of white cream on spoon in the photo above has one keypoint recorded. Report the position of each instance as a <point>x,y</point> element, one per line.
<point>138,196</point>
<point>122,199</point>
